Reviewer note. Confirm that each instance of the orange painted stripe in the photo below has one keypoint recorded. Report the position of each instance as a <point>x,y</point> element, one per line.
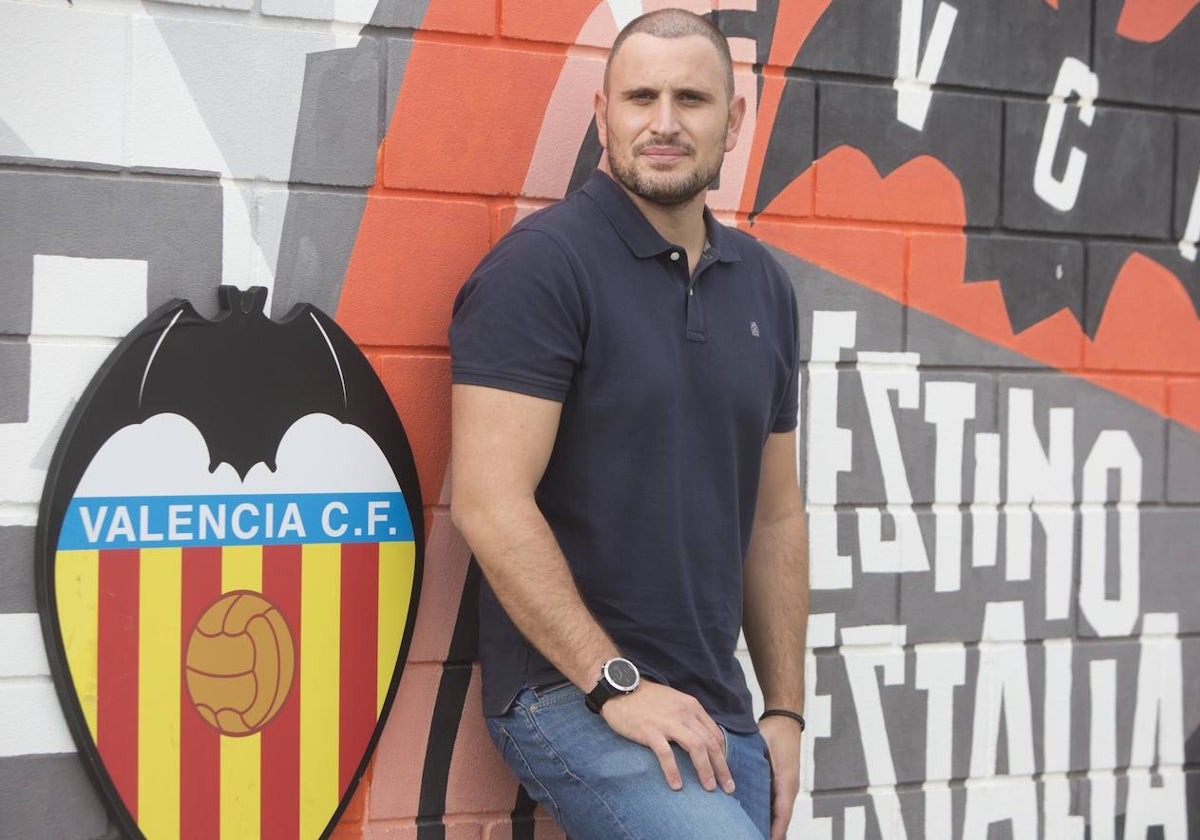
<point>117,672</point>
<point>359,636</point>
<point>281,737</point>
<point>199,743</point>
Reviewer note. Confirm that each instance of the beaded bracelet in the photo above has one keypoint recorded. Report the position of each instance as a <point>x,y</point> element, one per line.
<point>787,713</point>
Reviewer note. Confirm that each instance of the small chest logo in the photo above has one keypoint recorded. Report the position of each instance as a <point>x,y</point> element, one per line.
<point>754,328</point>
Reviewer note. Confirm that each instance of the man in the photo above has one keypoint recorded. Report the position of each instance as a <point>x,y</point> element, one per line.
<point>624,468</point>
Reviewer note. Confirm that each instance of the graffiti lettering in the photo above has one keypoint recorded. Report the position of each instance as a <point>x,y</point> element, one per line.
<point>1061,193</point>
<point>881,373</point>
<point>914,72</point>
<point>1113,451</point>
<point>1191,233</point>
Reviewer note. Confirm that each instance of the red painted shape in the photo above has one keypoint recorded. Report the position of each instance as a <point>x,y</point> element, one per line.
<point>1183,397</point>
<point>465,122</point>
<point>199,743</point>
<point>417,253</point>
<point>1149,324</point>
<point>117,671</point>
<point>281,737</point>
<point>1149,21</point>
<point>794,22</point>
<point>1053,4</point>
<point>1145,292</point>
<point>359,641</point>
<point>873,257</point>
<point>473,17</point>
<point>558,21</point>
<point>922,190</point>
<point>420,388</point>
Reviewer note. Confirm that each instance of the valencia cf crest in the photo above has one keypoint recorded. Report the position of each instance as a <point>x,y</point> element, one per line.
<point>229,555</point>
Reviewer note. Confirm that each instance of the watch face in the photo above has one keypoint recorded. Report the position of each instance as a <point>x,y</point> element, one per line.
<point>622,674</point>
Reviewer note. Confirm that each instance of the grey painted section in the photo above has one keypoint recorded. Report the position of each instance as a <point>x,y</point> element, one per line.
<point>790,150</point>
<point>400,14</point>
<point>963,131</point>
<point>1162,73</point>
<point>1126,183</point>
<point>17,594</point>
<point>1011,46</point>
<point>1168,572</point>
<point>1172,546</point>
<point>817,288</point>
<point>1187,171</point>
<point>1096,409</point>
<point>337,130</point>
<point>49,797</point>
<point>1183,464</point>
<point>14,382</point>
<point>1040,276</point>
<point>175,225</point>
<point>319,232</point>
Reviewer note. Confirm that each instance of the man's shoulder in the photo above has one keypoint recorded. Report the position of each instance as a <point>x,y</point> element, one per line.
<point>562,218</point>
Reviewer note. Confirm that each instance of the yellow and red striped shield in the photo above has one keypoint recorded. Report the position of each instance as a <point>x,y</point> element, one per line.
<point>226,641</point>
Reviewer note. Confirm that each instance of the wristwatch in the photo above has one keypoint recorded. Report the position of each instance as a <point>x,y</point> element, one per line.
<point>618,676</point>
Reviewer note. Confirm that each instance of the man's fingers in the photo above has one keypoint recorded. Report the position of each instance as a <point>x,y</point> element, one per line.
<point>698,746</point>
<point>666,759</point>
<point>781,818</point>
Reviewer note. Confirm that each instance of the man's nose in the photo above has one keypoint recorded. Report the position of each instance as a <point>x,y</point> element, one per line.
<point>666,120</point>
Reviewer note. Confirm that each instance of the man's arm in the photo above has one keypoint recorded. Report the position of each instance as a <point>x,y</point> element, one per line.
<point>775,614</point>
<point>500,444</point>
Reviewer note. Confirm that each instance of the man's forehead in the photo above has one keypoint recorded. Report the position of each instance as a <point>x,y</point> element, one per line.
<point>643,53</point>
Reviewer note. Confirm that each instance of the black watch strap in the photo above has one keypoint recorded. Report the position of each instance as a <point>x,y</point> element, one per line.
<point>617,676</point>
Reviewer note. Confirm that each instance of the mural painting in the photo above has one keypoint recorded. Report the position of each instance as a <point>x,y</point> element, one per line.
<point>990,213</point>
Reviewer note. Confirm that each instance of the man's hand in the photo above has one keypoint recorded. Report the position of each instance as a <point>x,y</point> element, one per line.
<point>783,749</point>
<point>655,715</point>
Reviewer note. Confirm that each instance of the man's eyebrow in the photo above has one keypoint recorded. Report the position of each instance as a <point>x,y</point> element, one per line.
<point>642,90</point>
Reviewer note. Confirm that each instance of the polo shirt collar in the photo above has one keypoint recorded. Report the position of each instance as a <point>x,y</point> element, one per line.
<point>641,237</point>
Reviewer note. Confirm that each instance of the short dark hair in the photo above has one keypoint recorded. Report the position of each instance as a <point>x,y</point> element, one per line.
<point>675,23</point>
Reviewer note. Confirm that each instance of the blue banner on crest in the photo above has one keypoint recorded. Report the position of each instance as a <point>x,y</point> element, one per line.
<point>193,521</point>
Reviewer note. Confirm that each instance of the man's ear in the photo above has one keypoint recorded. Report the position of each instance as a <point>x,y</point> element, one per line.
<point>737,113</point>
<point>601,105</point>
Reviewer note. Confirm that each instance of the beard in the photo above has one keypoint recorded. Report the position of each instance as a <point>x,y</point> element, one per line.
<point>663,189</point>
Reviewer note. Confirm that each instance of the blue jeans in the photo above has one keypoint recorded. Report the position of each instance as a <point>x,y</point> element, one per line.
<point>601,786</point>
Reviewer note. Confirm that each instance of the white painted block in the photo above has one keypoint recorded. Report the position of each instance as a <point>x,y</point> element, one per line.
<point>59,373</point>
<point>31,721</point>
<point>22,652</point>
<point>220,97</point>
<point>87,297</point>
<point>350,11</point>
<point>62,94</point>
<point>61,370</point>
<point>240,5</point>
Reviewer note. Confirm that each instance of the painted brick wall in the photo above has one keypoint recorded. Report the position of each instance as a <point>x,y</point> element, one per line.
<point>990,212</point>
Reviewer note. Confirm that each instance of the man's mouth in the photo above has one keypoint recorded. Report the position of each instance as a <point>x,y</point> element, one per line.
<point>663,154</point>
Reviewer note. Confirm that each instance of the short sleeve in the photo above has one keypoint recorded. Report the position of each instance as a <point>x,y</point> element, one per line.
<point>519,322</point>
<point>787,414</point>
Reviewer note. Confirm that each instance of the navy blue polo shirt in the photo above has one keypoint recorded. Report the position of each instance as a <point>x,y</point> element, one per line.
<point>669,387</point>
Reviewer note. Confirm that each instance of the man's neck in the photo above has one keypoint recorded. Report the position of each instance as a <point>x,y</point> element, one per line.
<point>679,224</point>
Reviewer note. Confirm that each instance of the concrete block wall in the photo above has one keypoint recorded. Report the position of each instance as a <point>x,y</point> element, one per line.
<point>991,213</point>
